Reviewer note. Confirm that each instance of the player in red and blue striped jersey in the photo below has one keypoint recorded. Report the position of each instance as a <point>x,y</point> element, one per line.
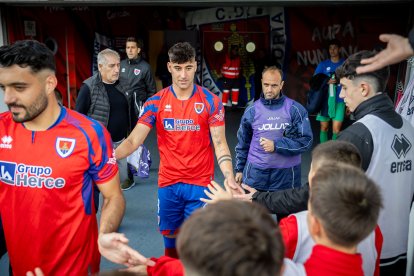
<point>50,159</point>
<point>189,120</point>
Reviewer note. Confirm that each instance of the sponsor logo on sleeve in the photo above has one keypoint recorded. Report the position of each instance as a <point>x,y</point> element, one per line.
<point>112,159</point>
<point>219,116</point>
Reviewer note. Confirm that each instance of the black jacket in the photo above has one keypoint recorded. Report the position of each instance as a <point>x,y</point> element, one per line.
<point>358,134</point>
<point>285,202</point>
<point>139,76</point>
<point>93,100</point>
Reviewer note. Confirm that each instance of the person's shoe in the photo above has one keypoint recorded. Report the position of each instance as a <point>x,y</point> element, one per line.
<point>127,184</point>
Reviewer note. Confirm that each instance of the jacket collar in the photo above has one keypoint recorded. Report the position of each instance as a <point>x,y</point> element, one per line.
<point>135,60</point>
<point>272,101</point>
<point>380,102</point>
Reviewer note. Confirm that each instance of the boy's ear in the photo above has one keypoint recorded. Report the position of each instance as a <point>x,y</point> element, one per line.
<point>315,227</point>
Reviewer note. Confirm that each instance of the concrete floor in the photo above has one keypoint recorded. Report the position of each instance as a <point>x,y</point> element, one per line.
<point>140,221</point>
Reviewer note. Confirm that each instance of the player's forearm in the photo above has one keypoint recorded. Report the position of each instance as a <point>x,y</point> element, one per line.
<point>112,213</point>
<point>133,141</point>
<point>125,148</point>
<point>222,151</point>
<point>226,166</point>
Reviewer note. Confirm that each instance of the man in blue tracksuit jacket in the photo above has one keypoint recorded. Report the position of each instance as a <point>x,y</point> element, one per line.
<point>273,133</point>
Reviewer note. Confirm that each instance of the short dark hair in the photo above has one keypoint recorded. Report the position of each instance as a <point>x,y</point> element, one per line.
<point>378,78</point>
<point>334,42</point>
<point>181,52</point>
<point>337,151</point>
<point>231,238</point>
<point>139,42</point>
<point>27,53</point>
<point>346,202</point>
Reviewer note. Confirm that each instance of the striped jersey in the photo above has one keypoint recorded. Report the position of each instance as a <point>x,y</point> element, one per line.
<point>183,133</point>
<point>46,198</point>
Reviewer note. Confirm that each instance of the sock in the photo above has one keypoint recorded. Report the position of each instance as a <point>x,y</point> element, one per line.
<point>235,96</point>
<point>334,136</point>
<point>225,97</point>
<point>323,136</point>
<point>170,250</point>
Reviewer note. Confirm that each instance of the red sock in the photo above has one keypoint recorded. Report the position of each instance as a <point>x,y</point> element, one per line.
<point>225,97</point>
<point>235,96</point>
<point>171,252</point>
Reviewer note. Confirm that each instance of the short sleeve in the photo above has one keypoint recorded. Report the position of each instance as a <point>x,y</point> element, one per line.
<point>102,156</point>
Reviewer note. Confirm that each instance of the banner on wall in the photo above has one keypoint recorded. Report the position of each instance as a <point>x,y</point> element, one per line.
<point>249,29</point>
<point>311,28</point>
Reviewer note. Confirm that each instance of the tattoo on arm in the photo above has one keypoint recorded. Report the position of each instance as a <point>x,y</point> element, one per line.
<point>215,135</point>
<point>224,158</point>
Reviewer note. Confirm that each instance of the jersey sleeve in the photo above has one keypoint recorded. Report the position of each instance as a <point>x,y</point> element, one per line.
<point>320,69</point>
<point>378,247</point>
<point>148,116</point>
<point>216,115</point>
<point>166,266</point>
<point>101,155</point>
<point>289,229</point>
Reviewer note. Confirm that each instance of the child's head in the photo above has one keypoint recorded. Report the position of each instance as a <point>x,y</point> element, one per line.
<point>231,238</point>
<point>344,204</point>
<point>334,151</point>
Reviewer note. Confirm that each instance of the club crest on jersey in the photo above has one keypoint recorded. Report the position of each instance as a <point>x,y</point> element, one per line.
<point>65,146</point>
<point>137,71</point>
<point>198,107</point>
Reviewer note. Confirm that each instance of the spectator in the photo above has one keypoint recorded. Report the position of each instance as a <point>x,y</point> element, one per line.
<point>137,72</point>
<point>333,107</point>
<point>107,99</point>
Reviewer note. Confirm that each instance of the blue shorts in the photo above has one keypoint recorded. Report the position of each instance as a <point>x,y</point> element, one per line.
<point>272,179</point>
<point>176,203</point>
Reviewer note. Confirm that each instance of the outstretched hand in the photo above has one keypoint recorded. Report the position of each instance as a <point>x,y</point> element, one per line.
<point>114,247</point>
<point>216,193</point>
<point>247,196</point>
<point>398,49</point>
<point>233,186</point>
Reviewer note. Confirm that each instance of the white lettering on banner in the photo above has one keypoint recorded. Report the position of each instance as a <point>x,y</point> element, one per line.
<point>333,31</point>
<point>314,57</point>
<point>325,33</point>
<point>208,81</point>
<point>277,35</point>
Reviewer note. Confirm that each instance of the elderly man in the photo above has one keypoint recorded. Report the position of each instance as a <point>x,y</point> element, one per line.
<point>107,99</point>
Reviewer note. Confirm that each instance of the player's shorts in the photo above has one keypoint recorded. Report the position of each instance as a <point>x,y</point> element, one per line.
<point>339,114</point>
<point>230,84</point>
<point>176,203</point>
